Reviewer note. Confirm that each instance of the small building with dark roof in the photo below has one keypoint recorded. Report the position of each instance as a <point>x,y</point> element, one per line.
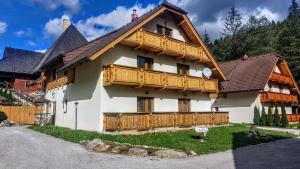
<point>261,81</point>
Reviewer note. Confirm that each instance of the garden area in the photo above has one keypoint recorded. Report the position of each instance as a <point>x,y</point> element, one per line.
<point>218,139</point>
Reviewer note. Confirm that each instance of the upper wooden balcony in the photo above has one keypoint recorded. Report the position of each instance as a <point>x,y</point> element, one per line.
<point>282,79</point>
<point>64,80</point>
<point>161,44</point>
<point>138,77</point>
<point>269,97</point>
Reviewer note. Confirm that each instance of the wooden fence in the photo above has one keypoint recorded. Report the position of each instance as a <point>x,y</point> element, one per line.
<point>147,121</point>
<point>21,114</point>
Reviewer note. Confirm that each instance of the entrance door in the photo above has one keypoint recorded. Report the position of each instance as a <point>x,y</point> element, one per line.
<point>184,105</point>
<point>145,104</point>
<point>54,111</point>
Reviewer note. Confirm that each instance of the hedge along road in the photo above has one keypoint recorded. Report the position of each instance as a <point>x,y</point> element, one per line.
<point>23,148</point>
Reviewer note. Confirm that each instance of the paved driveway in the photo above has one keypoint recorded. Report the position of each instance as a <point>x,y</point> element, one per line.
<point>22,148</point>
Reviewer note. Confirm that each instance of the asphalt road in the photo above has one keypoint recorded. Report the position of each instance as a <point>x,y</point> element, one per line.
<point>21,148</point>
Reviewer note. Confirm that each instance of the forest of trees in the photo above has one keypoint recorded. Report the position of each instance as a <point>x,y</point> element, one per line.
<point>259,36</point>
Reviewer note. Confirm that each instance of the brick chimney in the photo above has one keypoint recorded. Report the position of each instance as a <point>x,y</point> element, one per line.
<point>66,22</point>
<point>134,16</point>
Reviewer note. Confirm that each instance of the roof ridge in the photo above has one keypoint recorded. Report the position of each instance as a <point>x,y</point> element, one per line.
<point>24,50</point>
<point>251,57</point>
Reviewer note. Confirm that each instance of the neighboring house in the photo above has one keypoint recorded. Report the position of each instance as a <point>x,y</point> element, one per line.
<point>154,64</point>
<point>263,80</point>
<point>17,67</point>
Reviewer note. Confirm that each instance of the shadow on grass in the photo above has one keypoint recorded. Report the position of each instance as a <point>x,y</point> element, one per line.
<point>283,153</point>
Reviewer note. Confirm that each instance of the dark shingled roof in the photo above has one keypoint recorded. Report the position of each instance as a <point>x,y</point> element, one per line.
<point>248,74</point>
<point>70,39</point>
<point>20,61</point>
<point>83,52</point>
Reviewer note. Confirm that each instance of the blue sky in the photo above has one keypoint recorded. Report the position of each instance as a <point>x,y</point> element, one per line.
<point>34,24</point>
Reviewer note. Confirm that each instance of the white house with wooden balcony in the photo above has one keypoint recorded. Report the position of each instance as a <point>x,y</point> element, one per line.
<point>147,74</point>
<point>259,81</point>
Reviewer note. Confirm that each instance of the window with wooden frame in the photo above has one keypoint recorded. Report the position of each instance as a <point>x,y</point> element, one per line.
<point>183,69</point>
<point>164,30</point>
<point>54,74</point>
<point>144,62</point>
<point>184,105</point>
<point>145,104</point>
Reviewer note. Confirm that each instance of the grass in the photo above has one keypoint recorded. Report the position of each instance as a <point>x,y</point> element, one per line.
<point>218,138</point>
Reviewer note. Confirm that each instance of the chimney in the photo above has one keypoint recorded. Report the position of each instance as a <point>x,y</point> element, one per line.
<point>66,22</point>
<point>134,16</point>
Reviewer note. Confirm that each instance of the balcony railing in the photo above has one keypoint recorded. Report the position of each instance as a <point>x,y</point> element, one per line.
<point>58,82</point>
<point>277,97</point>
<point>123,75</point>
<point>279,78</point>
<point>160,44</point>
<point>147,121</point>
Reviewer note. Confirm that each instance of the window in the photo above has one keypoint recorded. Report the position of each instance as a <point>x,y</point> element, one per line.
<point>54,74</point>
<point>145,104</point>
<point>65,106</point>
<point>184,105</point>
<point>143,62</point>
<point>183,69</point>
<point>164,30</point>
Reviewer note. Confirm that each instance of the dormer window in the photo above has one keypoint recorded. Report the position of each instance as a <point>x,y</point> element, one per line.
<point>164,30</point>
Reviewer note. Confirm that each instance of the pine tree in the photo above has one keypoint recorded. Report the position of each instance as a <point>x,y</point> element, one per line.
<point>263,119</point>
<point>270,117</point>
<point>233,22</point>
<point>256,119</point>
<point>276,120</point>
<point>207,39</point>
<point>294,9</point>
<point>284,120</point>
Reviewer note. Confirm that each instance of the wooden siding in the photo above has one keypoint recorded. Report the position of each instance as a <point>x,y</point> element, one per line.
<point>21,84</point>
<point>281,79</point>
<point>147,121</point>
<point>293,117</point>
<point>161,44</point>
<point>22,114</point>
<point>124,75</point>
<point>278,98</point>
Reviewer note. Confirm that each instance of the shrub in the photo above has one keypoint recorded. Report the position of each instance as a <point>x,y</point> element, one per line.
<point>284,120</point>
<point>256,118</point>
<point>263,118</point>
<point>276,120</point>
<point>270,117</point>
<point>2,116</point>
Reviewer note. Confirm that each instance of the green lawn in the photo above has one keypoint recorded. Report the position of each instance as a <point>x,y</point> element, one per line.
<point>218,138</point>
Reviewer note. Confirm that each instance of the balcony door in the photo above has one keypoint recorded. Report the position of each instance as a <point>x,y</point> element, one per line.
<point>145,104</point>
<point>184,105</point>
<point>183,69</point>
<point>144,62</point>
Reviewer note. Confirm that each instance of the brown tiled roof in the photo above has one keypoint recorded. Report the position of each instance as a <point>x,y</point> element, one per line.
<point>248,74</point>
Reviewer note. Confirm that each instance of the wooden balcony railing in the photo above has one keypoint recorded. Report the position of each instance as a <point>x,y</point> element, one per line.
<point>160,44</point>
<point>123,75</point>
<point>279,78</point>
<point>278,97</point>
<point>58,82</point>
<point>293,117</point>
<point>147,121</point>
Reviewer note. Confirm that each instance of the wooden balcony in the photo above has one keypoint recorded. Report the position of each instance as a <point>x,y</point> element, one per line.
<point>279,78</point>
<point>131,76</point>
<point>161,44</point>
<point>269,97</point>
<point>147,121</point>
<point>58,82</point>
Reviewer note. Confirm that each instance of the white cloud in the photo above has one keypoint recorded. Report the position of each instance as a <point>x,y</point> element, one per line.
<point>26,32</point>
<point>54,27</point>
<point>3,27</point>
<point>41,50</point>
<point>96,26</point>
<point>31,43</point>
<point>72,6</point>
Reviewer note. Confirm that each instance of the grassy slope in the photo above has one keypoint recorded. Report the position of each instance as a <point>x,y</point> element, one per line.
<point>218,139</point>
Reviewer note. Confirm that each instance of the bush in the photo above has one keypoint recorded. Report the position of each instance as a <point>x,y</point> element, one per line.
<point>263,118</point>
<point>256,118</point>
<point>3,116</point>
<point>270,117</point>
<point>284,120</point>
<point>276,120</point>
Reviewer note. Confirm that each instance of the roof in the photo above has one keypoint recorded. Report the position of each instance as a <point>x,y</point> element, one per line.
<point>248,74</point>
<point>20,61</point>
<point>68,40</point>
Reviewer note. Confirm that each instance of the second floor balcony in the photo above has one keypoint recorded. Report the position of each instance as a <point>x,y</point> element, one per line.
<point>160,44</point>
<point>138,77</point>
<point>282,79</point>
<point>270,97</point>
<point>61,81</point>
